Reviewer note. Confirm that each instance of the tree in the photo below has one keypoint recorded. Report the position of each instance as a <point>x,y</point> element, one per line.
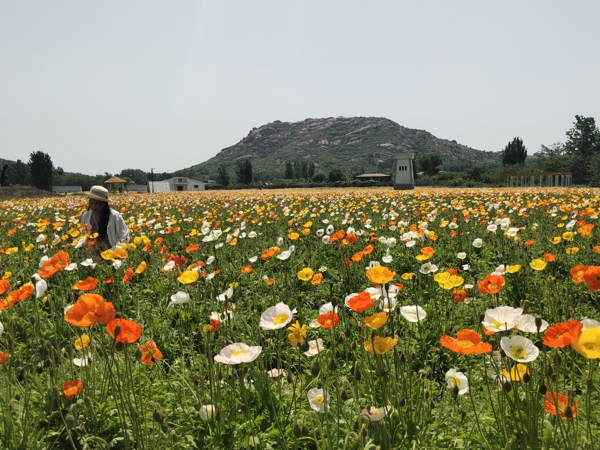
<point>18,173</point>
<point>243,171</point>
<point>514,153</point>
<point>223,175</point>
<point>311,169</point>
<point>430,163</point>
<point>335,175</point>
<point>41,170</point>
<point>289,171</point>
<point>583,142</point>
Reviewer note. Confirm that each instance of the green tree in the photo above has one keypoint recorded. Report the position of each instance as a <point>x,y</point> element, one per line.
<point>583,142</point>
<point>243,171</point>
<point>18,173</point>
<point>41,170</point>
<point>430,163</point>
<point>223,175</point>
<point>4,176</point>
<point>514,153</point>
<point>289,171</point>
<point>138,176</point>
<point>311,169</point>
<point>335,175</point>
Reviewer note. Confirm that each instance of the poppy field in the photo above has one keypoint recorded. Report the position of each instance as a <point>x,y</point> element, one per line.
<point>339,318</point>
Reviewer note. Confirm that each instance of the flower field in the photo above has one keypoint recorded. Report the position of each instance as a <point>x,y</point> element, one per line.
<point>356,319</point>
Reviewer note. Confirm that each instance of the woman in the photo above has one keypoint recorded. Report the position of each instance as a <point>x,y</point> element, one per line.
<point>100,218</point>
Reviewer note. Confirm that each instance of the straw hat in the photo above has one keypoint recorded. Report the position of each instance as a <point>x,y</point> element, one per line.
<point>98,193</point>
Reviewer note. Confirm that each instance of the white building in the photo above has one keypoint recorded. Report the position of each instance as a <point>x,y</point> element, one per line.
<point>176,184</point>
<point>403,174</point>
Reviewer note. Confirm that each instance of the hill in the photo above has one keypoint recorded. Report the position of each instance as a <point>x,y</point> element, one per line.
<point>353,144</point>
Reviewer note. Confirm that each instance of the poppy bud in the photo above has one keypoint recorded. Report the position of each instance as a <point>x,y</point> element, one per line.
<point>455,391</point>
<point>158,416</point>
<point>542,389</point>
<point>347,333</point>
<point>70,421</point>
<point>549,371</point>
<point>481,317</point>
<point>356,425</point>
<point>344,395</point>
<point>507,386</point>
<point>297,430</point>
<point>305,430</point>
<point>88,404</point>
<point>164,427</point>
<point>173,436</point>
<point>526,378</point>
<point>218,415</point>
<point>557,359</point>
<point>332,365</point>
<point>357,374</point>
<point>315,369</point>
<point>364,431</point>
<point>525,306</point>
<point>353,346</point>
<point>402,403</point>
<point>432,404</point>
<point>538,323</point>
<point>334,301</point>
<point>244,408</point>
<point>356,442</point>
<point>117,331</point>
<point>569,412</point>
<point>119,346</point>
<point>304,346</point>
<point>542,306</point>
<point>463,414</point>
<point>259,307</point>
<point>427,394</point>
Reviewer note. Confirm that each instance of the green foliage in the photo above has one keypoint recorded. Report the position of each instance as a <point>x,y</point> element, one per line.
<point>223,176</point>
<point>243,171</point>
<point>335,175</point>
<point>4,176</point>
<point>136,175</point>
<point>514,153</point>
<point>583,142</point>
<point>430,163</point>
<point>18,173</point>
<point>41,170</point>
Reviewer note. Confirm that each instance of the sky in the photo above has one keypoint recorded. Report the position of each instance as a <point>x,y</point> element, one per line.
<point>103,86</point>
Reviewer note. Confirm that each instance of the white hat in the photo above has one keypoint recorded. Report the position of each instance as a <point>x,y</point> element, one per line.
<point>98,193</point>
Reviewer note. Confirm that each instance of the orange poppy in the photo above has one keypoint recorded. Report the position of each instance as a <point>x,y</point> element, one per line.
<point>4,286</point>
<point>491,284</point>
<point>147,247</point>
<point>549,257</point>
<point>577,273</point>
<point>347,263</point>
<point>591,277</point>
<point>128,275</point>
<point>86,285</point>
<point>428,251</point>
<point>246,269</point>
<point>4,356</point>
<point>452,271</point>
<point>89,309</point>
<point>351,238</point>
<point>141,268</point>
<point>192,248</point>
<point>597,248</point>
<point>328,320</point>
<point>108,280</point>
<point>529,243</point>
<point>158,241</point>
<point>380,275</point>
<point>466,342</point>
<point>554,400</point>
<point>337,236</point>
<point>562,334</point>
<point>368,250</point>
<point>317,279</point>
<point>459,295</point>
<point>150,352</point>
<point>214,325</point>
<point>357,256</point>
<point>72,388</point>
<point>178,259</point>
<point>8,301</point>
<point>129,330</point>
<point>269,281</point>
<point>361,302</point>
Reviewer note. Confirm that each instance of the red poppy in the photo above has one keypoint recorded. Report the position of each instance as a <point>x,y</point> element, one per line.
<point>150,352</point>
<point>466,342</point>
<point>214,325</point>
<point>361,302</point>
<point>591,277</point>
<point>562,334</point>
<point>4,356</point>
<point>72,388</point>
<point>328,320</point>
<point>351,238</point>
<point>491,284</point>
<point>554,400</point>
<point>129,330</point>
<point>347,263</point>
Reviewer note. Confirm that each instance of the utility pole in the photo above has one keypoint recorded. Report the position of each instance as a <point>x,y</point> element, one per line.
<point>152,180</point>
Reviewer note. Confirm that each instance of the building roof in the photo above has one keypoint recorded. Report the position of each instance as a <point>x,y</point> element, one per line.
<point>405,155</point>
<point>370,175</point>
<point>115,179</point>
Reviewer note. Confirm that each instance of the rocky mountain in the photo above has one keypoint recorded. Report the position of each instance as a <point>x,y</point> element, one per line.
<point>353,144</point>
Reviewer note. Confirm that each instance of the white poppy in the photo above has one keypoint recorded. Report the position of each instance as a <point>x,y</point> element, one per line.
<point>276,373</point>
<point>207,412</point>
<point>238,353</point>
<point>43,260</point>
<point>219,245</point>
<point>226,295</point>
<point>428,268</point>
<point>374,414</point>
<point>527,324</point>
<point>253,259</point>
<point>387,259</point>
<point>118,263</point>
<point>71,267</point>
<point>284,255</point>
<point>179,298</point>
<point>40,238</point>
<point>40,286</point>
<point>252,234</point>
<point>492,228</point>
<point>88,263</point>
<point>318,399</point>
<point>410,243</point>
<point>221,317</point>
<point>519,348</point>
<point>326,239</point>
<point>1,328</point>
<point>388,304</point>
<point>502,318</point>
<point>478,243</point>
<point>314,347</point>
<point>83,361</point>
<point>276,317</point>
<point>589,323</point>
<point>413,313</point>
<point>453,225</point>
<point>320,232</point>
<point>461,255</point>
<point>210,260</point>
<point>457,379</point>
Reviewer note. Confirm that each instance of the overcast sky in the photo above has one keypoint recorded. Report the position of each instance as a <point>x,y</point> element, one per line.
<point>103,86</point>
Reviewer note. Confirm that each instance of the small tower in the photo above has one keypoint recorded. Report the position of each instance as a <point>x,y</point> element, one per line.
<point>403,174</point>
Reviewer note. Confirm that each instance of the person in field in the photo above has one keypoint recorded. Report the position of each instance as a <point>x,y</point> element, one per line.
<point>100,218</point>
